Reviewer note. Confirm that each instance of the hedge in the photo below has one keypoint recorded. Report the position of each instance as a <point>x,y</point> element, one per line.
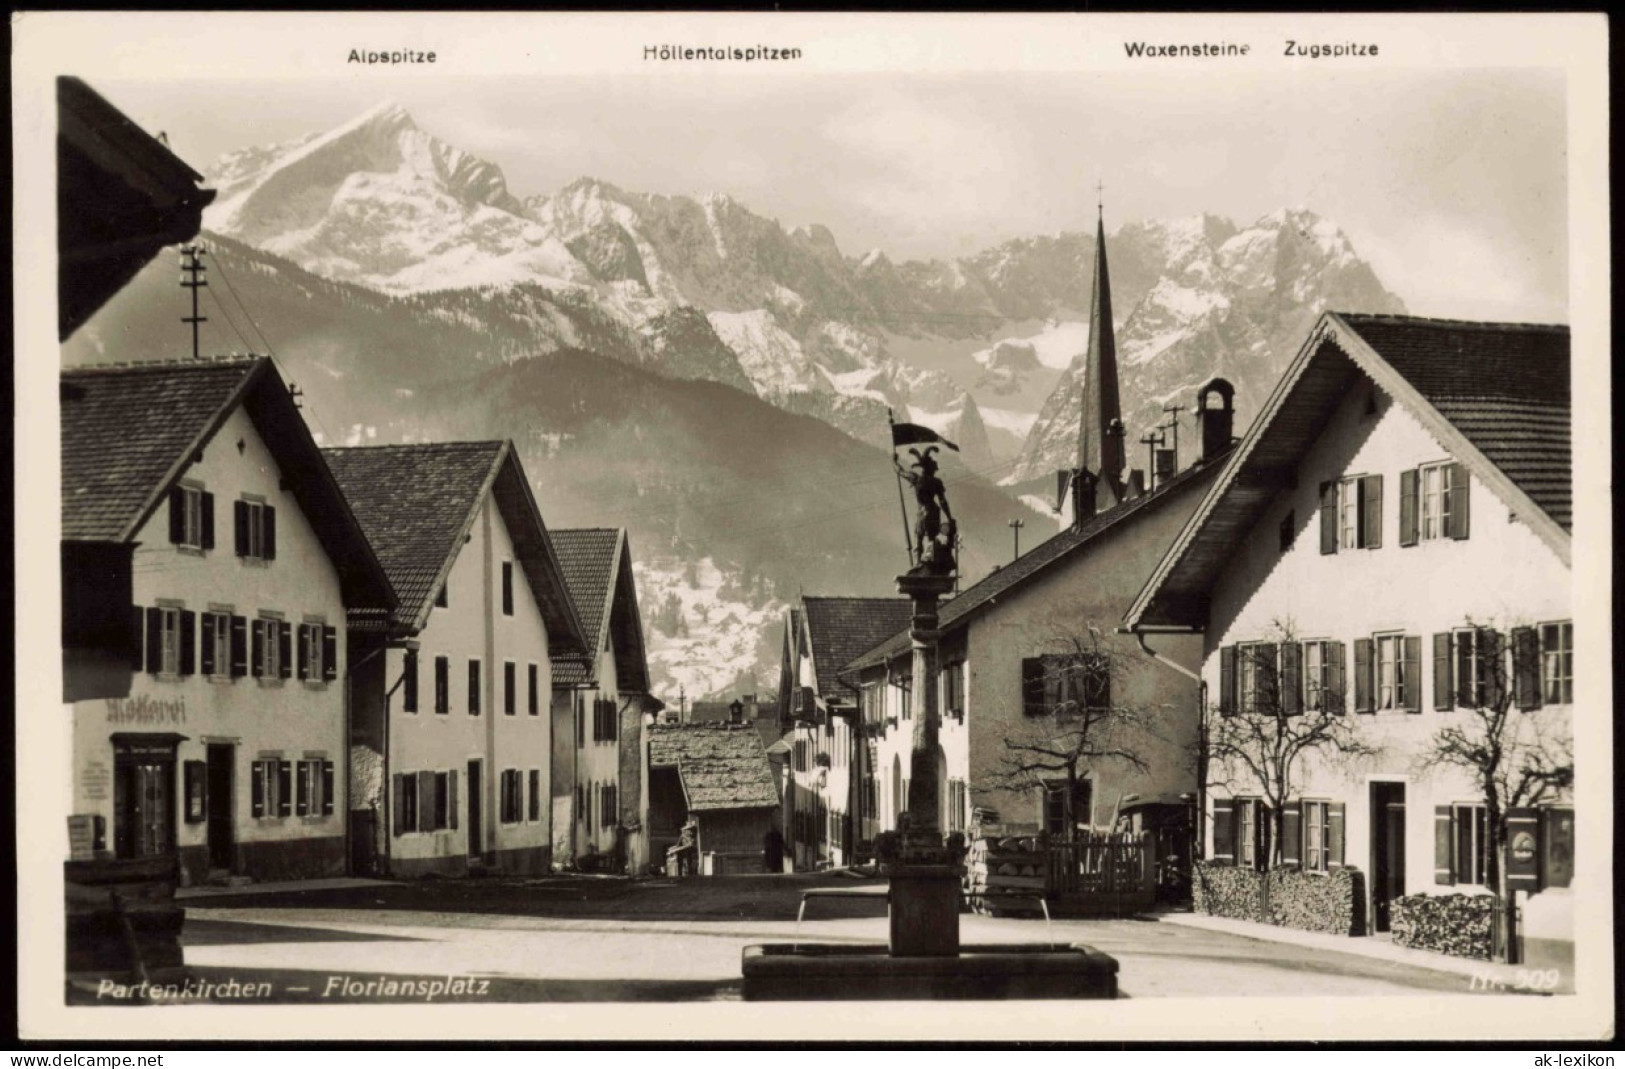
<point>1461,925</point>
<point>1333,903</point>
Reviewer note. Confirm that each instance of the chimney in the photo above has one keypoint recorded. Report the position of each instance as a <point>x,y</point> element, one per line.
<point>1215,411</point>
<point>1165,467</point>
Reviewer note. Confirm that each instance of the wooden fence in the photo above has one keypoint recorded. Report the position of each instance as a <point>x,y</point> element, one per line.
<point>1100,872</point>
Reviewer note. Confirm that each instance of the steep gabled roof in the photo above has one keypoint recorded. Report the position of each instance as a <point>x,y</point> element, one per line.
<point>1495,395</point>
<point>597,565</point>
<point>129,432</point>
<point>418,503</point>
<point>721,766</point>
<point>839,629</point>
<point>1037,561</point>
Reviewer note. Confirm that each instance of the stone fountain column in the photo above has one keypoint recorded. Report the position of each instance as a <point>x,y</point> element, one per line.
<point>924,876</point>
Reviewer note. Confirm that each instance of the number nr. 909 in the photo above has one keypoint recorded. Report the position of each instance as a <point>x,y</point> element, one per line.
<point>1536,979</point>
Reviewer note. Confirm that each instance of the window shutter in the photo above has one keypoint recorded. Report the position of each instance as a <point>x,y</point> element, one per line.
<point>268,514</point>
<point>1409,484</point>
<point>1291,678</point>
<point>1443,856</point>
<point>534,698</point>
<point>1335,816</point>
<point>257,788</point>
<point>330,652</point>
<point>1267,673</point>
<point>304,653</point>
<point>1032,686</point>
<point>1362,675</point>
<point>284,788</point>
<point>188,642</point>
<point>1334,697</point>
<point>206,515</point>
<point>398,802</point>
<point>1410,673</point>
<point>425,789</point>
<point>1460,521</point>
<point>208,666</point>
<point>1441,671</point>
<point>409,682</point>
<point>155,640</point>
<point>327,788</point>
<point>302,789</point>
<point>1227,680</point>
<point>239,646</point>
<point>507,588</point>
<point>257,660</point>
<point>1291,834</point>
<point>138,645</point>
<point>1371,511</point>
<point>1224,831</point>
<point>452,804</point>
<point>1492,669</point>
<point>177,515</point>
<point>1526,667</point>
<point>239,515</point>
<point>1328,517</point>
<point>284,648</point>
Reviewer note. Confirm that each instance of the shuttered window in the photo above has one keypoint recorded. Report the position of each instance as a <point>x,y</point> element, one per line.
<point>535,811</point>
<point>474,687</point>
<point>534,692</point>
<point>255,524</point>
<point>442,684</point>
<point>1292,833</point>
<point>409,682</point>
<point>507,588</point>
<point>191,517</point>
<point>510,699</point>
<point>1323,676</point>
<point>1409,507</point>
<point>1557,663</point>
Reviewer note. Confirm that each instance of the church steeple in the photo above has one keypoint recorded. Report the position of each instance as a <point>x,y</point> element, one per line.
<point>1100,445</point>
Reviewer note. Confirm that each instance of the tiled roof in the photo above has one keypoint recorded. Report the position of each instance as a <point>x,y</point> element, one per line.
<point>415,503</point>
<point>840,629</point>
<point>127,432</point>
<point>722,767</point>
<point>1505,386</point>
<point>1038,558</point>
<point>592,560</point>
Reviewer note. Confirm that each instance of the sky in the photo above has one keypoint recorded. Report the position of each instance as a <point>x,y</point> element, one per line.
<point>1452,184</point>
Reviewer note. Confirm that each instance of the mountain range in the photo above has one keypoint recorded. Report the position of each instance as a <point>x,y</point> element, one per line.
<point>413,294</point>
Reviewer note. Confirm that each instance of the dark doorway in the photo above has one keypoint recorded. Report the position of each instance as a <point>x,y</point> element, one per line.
<point>143,799</point>
<point>222,806</point>
<point>476,829</point>
<point>1387,850</point>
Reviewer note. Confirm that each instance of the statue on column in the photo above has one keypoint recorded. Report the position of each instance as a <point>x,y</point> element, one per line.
<point>934,529</point>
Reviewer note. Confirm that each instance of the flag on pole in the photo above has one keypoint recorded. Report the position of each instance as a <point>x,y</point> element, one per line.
<point>913,434</point>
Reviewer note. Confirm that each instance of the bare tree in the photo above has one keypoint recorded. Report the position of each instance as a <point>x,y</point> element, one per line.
<point>1275,716</point>
<point>1073,720</point>
<point>1516,757</point>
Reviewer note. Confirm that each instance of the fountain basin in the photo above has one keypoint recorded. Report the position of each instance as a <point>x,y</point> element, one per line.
<point>869,972</point>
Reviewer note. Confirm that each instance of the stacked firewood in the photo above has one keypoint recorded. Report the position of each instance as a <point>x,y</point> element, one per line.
<point>1004,870</point>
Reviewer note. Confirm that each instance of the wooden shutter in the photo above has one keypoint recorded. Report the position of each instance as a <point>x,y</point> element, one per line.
<point>239,646</point>
<point>1443,855</point>
<point>284,788</point>
<point>397,797</point>
<point>1460,521</point>
<point>327,788</point>
<point>425,792</point>
<point>1227,680</point>
<point>1267,675</point>
<point>206,655</point>
<point>302,789</point>
<point>268,518</point>
<point>155,640</point>
<point>239,515</point>
<point>177,515</point>
<point>330,652</point>
<point>284,648</point>
<point>188,658</point>
<point>1410,672</point>
<point>1224,831</point>
<point>452,803</point>
<point>1362,675</point>
<point>1032,686</point>
<point>1291,678</point>
<point>1335,824</point>
<point>257,788</point>
<point>1292,833</point>
<point>1441,671</point>
<point>534,697</point>
<point>304,652</point>
<point>1334,696</point>
<point>1526,667</point>
<point>1371,511</point>
<point>1492,667</point>
<point>1328,517</point>
<point>1409,483</point>
<point>507,588</point>
<point>256,662</point>
<point>206,518</point>
<point>137,641</point>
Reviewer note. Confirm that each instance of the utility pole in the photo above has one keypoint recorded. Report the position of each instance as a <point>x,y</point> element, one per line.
<point>1151,439</point>
<point>1015,527</point>
<point>191,278</point>
<point>1173,427</point>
